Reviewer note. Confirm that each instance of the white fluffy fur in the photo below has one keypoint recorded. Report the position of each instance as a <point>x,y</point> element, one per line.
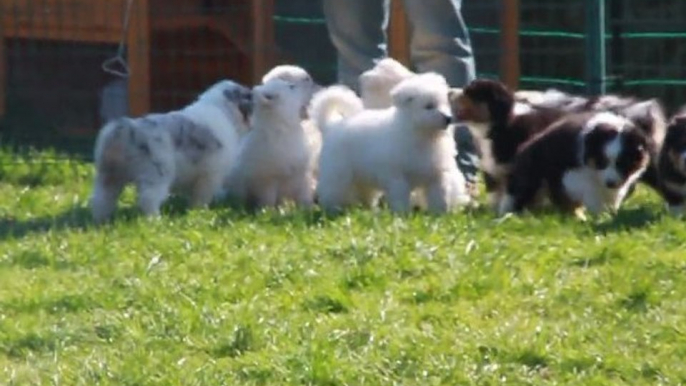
<point>583,185</point>
<point>391,151</point>
<point>187,151</point>
<point>274,158</point>
<point>376,84</point>
<point>608,118</point>
<point>302,79</point>
<point>549,98</point>
<point>299,77</point>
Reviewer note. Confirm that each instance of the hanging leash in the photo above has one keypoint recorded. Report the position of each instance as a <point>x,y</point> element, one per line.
<point>117,65</point>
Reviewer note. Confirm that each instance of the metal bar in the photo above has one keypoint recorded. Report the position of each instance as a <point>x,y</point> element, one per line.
<point>595,47</point>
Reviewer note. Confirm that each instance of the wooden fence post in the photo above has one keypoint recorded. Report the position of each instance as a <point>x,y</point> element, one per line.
<point>399,34</point>
<point>509,57</point>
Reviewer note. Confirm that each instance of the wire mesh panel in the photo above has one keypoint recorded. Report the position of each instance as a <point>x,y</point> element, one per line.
<point>55,92</point>
<point>302,38</point>
<point>70,65</point>
<point>644,42</point>
<point>552,44</point>
<point>647,44</point>
<point>483,21</point>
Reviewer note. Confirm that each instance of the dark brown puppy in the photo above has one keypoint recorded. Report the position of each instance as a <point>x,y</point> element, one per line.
<point>586,160</point>
<point>670,168</point>
<point>499,125</point>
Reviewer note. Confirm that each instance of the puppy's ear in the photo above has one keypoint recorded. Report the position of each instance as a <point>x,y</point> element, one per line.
<point>233,94</point>
<point>401,97</point>
<point>501,103</point>
<point>241,97</point>
<point>594,143</point>
<point>245,106</point>
<point>675,130</point>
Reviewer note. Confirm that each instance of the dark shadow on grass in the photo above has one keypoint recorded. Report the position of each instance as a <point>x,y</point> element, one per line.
<point>80,218</point>
<point>628,219</point>
<point>288,214</point>
<point>73,218</point>
<point>606,256</point>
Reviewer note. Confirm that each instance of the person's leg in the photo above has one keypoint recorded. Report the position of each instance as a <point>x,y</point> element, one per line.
<point>357,29</point>
<point>440,40</point>
<point>440,43</point>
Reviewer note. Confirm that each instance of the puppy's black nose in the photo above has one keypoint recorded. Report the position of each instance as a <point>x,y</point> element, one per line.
<point>448,120</point>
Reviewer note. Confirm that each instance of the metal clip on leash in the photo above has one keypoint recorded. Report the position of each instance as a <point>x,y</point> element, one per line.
<point>117,65</point>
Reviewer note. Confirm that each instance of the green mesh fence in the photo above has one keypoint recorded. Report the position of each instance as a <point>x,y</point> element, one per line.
<point>648,57</point>
<point>54,87</point>
<point>644,42</point>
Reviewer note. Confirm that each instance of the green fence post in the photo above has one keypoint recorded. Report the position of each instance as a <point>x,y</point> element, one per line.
<point>595,47</point>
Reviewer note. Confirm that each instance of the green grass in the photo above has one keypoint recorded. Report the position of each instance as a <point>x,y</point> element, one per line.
<point>217,297</point>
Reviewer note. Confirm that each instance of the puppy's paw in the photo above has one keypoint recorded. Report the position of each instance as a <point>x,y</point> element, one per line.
<point>505,206</point>
<point>580,214</point>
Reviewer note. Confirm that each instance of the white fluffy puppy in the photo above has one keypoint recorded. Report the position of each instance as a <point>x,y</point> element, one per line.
<point>274,158</point>
<point>302,79</point>
<point>186,151</point>
<point>376,84</point>
<point>375,90</point>
<point>391,151</point>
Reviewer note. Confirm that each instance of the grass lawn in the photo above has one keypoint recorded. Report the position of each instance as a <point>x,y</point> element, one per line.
<point>216,297</point>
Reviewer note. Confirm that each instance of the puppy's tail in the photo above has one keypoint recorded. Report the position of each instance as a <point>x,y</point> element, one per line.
<point>334,104</point>
<point>111,143</point>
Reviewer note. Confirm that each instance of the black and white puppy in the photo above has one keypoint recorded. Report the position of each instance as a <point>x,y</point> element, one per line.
<point>648,115</point>
<point>500,126</point>
<point>671,166</point>
<point>588,160</point>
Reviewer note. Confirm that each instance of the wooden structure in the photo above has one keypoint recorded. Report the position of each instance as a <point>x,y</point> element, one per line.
<point>246,25</point>
<point>249,28</point>
<point>399,34</point>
